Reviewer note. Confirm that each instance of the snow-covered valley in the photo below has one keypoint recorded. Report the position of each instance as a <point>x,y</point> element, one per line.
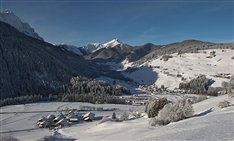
<point>208,123</point>
<point>178,91</point>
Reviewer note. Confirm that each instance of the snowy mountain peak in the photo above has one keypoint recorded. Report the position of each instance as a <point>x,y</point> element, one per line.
<point>112,43</point>
<point>96,46</point>
<point>10,18</point>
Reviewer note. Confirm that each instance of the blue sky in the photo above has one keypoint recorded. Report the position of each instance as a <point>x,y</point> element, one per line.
<point>135,22</point>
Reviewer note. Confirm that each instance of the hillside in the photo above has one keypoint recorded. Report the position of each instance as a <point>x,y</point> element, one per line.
<point>187,46</point>
<point>117,56</point>
<point>177,68</point>
<point>29,66</point>
<point>108,52</point>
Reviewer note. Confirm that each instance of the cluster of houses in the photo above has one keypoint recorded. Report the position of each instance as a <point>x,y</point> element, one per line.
<point>137,99</point>
<point>61,119</point>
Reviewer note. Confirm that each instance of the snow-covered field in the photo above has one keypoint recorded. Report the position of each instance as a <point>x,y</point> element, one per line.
<point>188,65</point>
<point>20,120</point>
<point>209,123</point>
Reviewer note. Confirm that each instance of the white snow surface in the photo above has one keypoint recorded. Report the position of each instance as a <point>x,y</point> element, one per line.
<point>10,18</point>
<point>209,123</point>
<point>112,43</point>
<point>189,65</point>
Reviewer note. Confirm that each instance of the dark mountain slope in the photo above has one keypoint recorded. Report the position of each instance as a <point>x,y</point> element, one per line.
<point>110,53</point>
<point>29,66</point>
<point>140,51</point>
<point>121,52</point>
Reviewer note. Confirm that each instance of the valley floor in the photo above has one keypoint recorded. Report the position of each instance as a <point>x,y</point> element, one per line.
<point>209,123</point>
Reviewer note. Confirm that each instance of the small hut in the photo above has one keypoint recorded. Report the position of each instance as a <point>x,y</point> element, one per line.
<point>62,123</point>
<point>58,118</point>
<point>50,117</point>
<point>89,116</point>
<point>73,118</point>
<point>43,124</point>
<point>42,119</point>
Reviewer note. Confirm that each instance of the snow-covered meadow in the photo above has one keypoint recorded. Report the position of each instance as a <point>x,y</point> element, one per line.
<point>188,66</point>
<point>209,123</point>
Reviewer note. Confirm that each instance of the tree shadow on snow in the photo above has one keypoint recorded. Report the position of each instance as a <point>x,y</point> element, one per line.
<point>204,113</point>
<point>56,138</point>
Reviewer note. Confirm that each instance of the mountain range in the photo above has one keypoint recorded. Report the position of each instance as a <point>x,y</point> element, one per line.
<point>29,65</point>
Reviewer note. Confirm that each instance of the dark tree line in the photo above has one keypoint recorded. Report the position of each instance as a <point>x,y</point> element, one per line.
<point>80,89</point>
<point>22,100</point>
<point>93,91</point>
<point>82,85</point>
